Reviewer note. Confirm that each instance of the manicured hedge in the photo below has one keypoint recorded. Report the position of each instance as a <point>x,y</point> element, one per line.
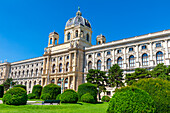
<point>88,98</point>
<point>131,100</point>
<point>69,96</point>
<point>159,90</point>
<point>37,91</point>
<point>1,91</point>
<point>58,97</point>
<point>87,88</point>
<point>105,98</point>
<point>22,86</point>
<point>31,96</point>
<point>50,92</point>
<point>15,96</point>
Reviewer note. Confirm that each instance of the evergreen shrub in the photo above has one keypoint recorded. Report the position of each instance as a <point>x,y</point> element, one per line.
<point>22,86</point>
<point>88,98</point>
<point>69,96</point>
<point>37,91</point>
<point>105,98</point>
<point>1,91</point>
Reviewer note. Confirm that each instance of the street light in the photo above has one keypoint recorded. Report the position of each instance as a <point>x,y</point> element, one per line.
<point>62,85</point>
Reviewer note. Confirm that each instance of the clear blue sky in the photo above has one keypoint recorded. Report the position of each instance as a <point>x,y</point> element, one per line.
<point>25,25</point>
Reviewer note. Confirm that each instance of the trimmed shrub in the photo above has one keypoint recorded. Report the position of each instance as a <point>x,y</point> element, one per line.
<point>88,98</point>
<point>159,90</point>
<point>37,91</point>
<point>105,98</point>
<point>69,96</point>
<point>22,86</point>
<point>15,96</point>
<point>50,91</point>
<point>58,97</point>
<point>131,100</point>
<point>31,96</point>
<point>87,88</point>
<point>1,91</point>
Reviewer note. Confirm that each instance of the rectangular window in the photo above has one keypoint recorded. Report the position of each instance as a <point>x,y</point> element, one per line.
<point>130,49</point>
<point>108,53</point>
<point>158,44</point>
<point>108,93</point>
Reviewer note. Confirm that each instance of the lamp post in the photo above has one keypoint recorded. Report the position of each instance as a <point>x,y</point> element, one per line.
<point>62,85</point>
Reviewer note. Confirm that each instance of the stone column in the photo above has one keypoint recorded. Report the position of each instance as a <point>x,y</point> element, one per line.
<point>137,56</point>
<point>74,82</point>
<point>63,70</point>
<point>125,64</point>
<point>68,82</point>
<point>113,56</point>
<point>166,53</point>
<point>103,61</point>
<point>151,55</point>
<point>93,62</point>
<point>70,63</point>
<point>44,65</point>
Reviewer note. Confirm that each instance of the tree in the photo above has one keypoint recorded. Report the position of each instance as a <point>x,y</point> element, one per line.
<point>98,78</point>
<point>115,76</point>
<point>161,71</point>
<point>138,74</point>
<point>7,83</point>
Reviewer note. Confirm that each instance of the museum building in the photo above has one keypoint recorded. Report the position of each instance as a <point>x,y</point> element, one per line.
<point>68,63</point>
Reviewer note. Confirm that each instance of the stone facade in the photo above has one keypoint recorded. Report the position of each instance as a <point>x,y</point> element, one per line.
<point>69,62</point>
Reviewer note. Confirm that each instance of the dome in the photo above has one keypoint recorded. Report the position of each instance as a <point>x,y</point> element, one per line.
<point>78,20</point>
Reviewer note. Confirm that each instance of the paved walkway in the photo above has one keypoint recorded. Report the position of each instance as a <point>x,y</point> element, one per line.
<point>1,102</point>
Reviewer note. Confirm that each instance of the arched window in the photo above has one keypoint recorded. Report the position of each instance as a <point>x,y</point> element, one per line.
<point>99,64</point>
<point>68,36</point>
<point>159,57</point>
<point>32,72</point>
<point>15,74</point>
<point>87,37</point>
<point>26,83</point>
<point>55,41</point>
<point>52,81</point>
<point>98,42</point>
<point>131,61</point>
<point>82,34</point>
<point>53,69</point>
<point>76,33</point>
<point>67,66</point>
<point>36,72</point>
<point>89,65</point>
<point>41,70</point>
<point>23,73</point>
<point>19,73</point>
<point>59,82</point>
<point>60,67</point>
<point>21,83</point>
<point>120,62</point>
<point>51,41</point>
<point>34,83</point>
<point>40,82</point>
<point>108,63</point>
<point>27,73</point>
<point>30,84</point>
<point>145,59</point>
<point>66,83</point>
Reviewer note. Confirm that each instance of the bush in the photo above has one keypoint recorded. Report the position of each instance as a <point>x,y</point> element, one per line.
<point>31,96</point>
<point>159,90</point>
<point>37,91</point>
<point>15,96</point>
<point>22,86</point>
<point>1,91</point>
<point>88,98</point>
<point>69,96</point>
<point>131,100</point>
<point>105,98</point>
<point>87,88</point>
<point>58,97</point>
<point>50,91</point>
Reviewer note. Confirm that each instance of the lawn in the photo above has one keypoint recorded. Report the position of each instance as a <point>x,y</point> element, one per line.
<point>63,108</point>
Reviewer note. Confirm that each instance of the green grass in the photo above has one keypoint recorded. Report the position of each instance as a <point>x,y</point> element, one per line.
<point>63,108</point>
<point>0,98</point>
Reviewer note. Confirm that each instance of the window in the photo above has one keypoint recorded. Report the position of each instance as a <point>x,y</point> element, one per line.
<point>131,61</point>
<point>108,63</point>
<point>32,72</point>
<point>59,82</point>
<point>145,59</point>
<point>27,73</point>
<point>30,84</point>
<point>53,69</point>
<point>34,83</point>
<point>158,44</point>
<point>60,67</point>
<point>51,41</point>
<point>41,70</point>
<point>67,66</point>
<point>89,65</point>
<point>76,33</point>
<point>108,93</point>
<point>130,49</point>
<point>98,54</point>
<point>99,64</point>
<point>89,56</point>
<point>82,34</point>
<point>40,82</point>
<point>144,47</point>
<point>52,81</point>
<point>60,58</point>
<point>55,41</point>
<point>119,51</point>
<point>108,53</point>
<point>87,37</point>
<point>23,73</point>
<point>19,73</point>
<point>99,42</point>
<point>159,57</point>
<point>68,36</point>
<point>26,84</point>
<point>36,72</point>
<point>67,57</point>
<point>120,62</point>
<point>66,83</point>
